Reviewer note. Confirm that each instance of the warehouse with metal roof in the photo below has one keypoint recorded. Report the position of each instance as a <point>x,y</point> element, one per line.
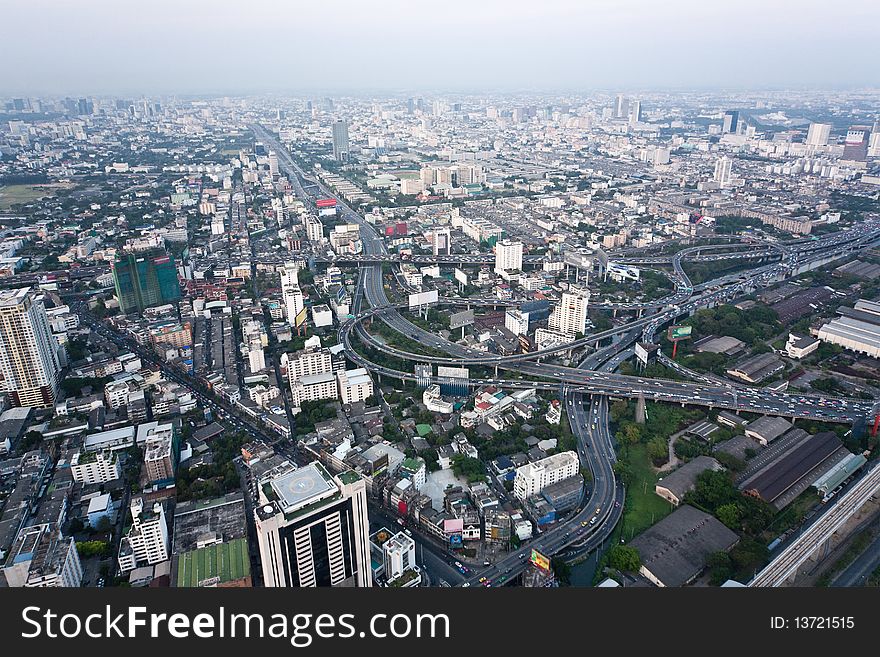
<point>804,460</point>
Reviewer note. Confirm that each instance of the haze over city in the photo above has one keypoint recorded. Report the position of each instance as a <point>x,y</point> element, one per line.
<point>199,46</point>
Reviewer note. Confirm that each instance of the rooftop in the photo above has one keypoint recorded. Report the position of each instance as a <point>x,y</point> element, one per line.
<point>303,486</point>
<point>674,551</point>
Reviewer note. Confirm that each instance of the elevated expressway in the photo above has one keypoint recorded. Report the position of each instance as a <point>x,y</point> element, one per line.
<point>595,445</point>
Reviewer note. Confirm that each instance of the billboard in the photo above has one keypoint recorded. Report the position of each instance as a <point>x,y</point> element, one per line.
<point>641,353</point>
<point>460,276</point>
<point>464,318</point>
<point>423,298</point>
<point>452,372</point>
<point>300,318</point>
<point>453,380</point>
<point>326,203</point>
<point>540,561</point>
<point>679,333</point>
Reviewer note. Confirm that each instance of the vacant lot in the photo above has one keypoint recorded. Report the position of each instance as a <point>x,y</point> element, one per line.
<point>14,194</point>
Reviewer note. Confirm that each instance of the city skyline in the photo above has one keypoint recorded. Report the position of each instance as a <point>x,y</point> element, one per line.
<point>560,45</point>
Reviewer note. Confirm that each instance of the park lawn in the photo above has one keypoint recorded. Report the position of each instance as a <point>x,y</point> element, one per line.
<point>13,194</point>
<point>643,506</point>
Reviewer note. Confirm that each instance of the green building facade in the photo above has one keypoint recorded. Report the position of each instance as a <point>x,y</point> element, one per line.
<point>145,280</point>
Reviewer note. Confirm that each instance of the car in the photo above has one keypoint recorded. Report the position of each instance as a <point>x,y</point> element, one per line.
<point>466,584</point>
<point>483,579</point>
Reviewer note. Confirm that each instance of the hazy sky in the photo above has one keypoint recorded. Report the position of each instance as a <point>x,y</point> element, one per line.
<point>199,46</point>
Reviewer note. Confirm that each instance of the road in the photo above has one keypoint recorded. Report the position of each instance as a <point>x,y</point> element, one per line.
<point>595,446</point>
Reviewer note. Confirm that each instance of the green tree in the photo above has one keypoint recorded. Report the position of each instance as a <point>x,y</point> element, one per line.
<point>624,558</point>
<point>730,515</point>
<point>658,450</point>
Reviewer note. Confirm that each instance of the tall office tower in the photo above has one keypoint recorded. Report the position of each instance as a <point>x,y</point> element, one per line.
<point>273,164</point>
<point>410,105</point>
<point>635,112</point>
<point>722,171</point>
<point>570,314</point>
<point>291,292</point>
<point>340,141</point>
<point>731,122</point>
<point>621,107</point>
<point>818,134</point>
<point>29,365</point>
<point>313,529</point>
<point>442,241</point>
<point>508,256</point>
<point>855,147</point>
<point>145,280</point>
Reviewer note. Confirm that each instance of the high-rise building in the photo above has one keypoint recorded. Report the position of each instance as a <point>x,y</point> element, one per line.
<point>314,229</point>
<point>307,362</point>
<point>273,164</point>
<point>145,280</point>
<point>570,314</point>
<point>722,171</point>
<point>291,292</point>
<point>29,364</point>
<point>621,107</point>
<point>399,555</point>
<point>313,529</point>
<point>508,256</point>
<point>341,151</point>
<point>354,385</point>
<point>731,122</point>
<point>42,557</point>
<point>534,477</point>
<point>442,241</point>
<point>855,147</point>
<point>818,134</point>
<point>147,539</point>
<point>516,321</point>
<point>635,112</point>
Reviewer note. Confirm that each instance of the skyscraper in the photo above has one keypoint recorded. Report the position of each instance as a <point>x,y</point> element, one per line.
<point>818,134</point>
<point>145,280</point>
<point>621,107</point>
<point>340,141</point>
<point>856,145</point>
<point>291,292</point>
<point>635,112</point>
<point>731,122</point>
<point>313,529</point>
<point>273,164</point>
<point>508,256</point>
<point>722,171</point>
<point>29,365</point>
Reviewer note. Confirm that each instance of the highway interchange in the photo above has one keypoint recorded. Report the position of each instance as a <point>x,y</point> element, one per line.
<point>585,389</point>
